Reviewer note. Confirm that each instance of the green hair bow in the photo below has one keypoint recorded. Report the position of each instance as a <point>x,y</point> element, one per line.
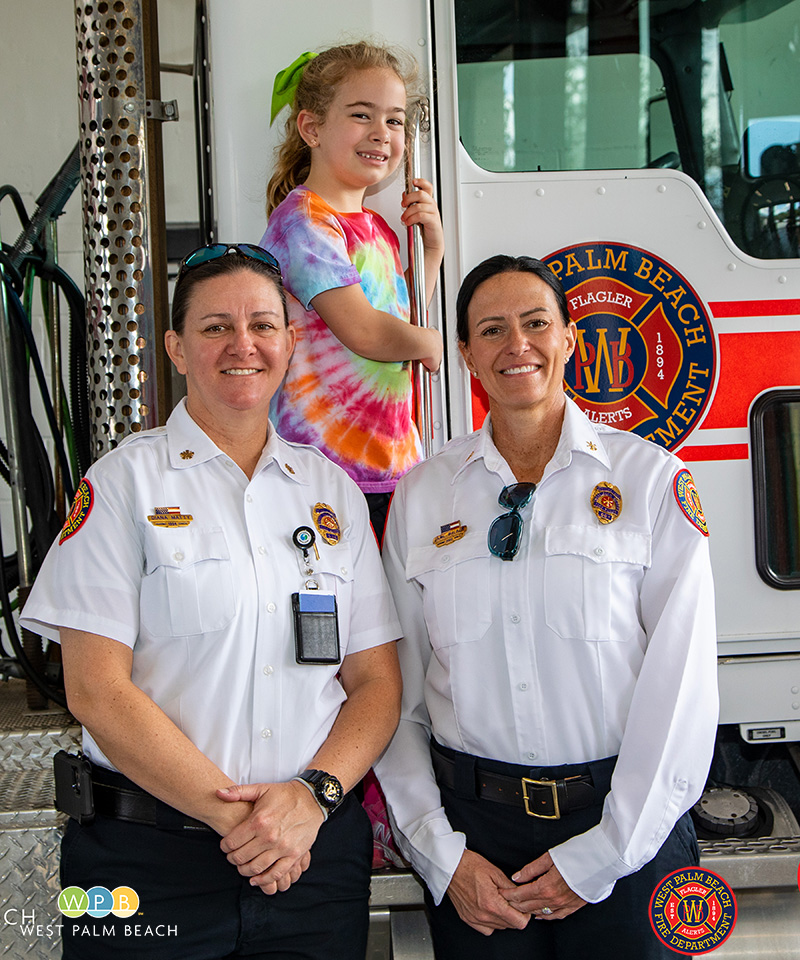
<point>285,86</point>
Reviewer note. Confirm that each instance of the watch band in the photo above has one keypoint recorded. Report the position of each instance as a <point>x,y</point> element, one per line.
<point>325,788</point>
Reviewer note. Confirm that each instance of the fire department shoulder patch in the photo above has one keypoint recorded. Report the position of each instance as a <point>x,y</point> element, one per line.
<point>81,508</point>
<point>692,911</point>
<point>689,500</point>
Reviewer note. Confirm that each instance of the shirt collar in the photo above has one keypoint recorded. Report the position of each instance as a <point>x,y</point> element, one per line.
<point>578,435</point>
<point>189,445</point>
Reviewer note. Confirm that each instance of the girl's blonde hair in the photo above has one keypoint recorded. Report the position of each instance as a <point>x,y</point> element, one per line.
<point>315,93</point>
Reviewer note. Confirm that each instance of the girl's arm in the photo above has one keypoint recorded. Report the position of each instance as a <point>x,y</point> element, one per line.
<point>374,334</point>
<point>420,208</point>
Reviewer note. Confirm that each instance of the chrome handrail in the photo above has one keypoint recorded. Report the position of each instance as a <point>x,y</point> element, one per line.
<point>423,406</point>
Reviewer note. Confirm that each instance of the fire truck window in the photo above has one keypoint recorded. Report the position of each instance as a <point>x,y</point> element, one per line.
<point>775,434</point>
<point>709,89</point>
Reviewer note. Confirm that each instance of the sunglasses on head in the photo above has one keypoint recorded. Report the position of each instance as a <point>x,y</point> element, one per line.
<point>213,251</point>
<point>505,532</point>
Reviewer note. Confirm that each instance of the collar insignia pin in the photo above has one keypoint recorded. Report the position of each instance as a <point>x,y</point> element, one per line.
<point>289,468</point>
<point>187,454</point>
<point>590,445</point>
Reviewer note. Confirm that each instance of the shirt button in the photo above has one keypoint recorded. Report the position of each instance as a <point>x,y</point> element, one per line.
<point>523,685</point>
<point>271,608</point>
<point>599,551</point>
<point>228,463</point>
<point>266,733</point>
<point>178,556</point>
<point>262,550</point>
<point>514,618</point>
<point>344,571</point>
<point>249,498</point>
<point>532,755</point>
<point>446,558</point>
<point>268,671</point>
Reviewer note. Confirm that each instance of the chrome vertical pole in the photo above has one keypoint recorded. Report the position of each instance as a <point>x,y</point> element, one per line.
<point>417,291</point>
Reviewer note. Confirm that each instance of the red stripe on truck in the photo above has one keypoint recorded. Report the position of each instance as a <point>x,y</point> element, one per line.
<point>749,364</point>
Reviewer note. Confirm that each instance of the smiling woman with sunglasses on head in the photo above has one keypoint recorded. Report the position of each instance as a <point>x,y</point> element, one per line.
<point>227,638</point>
<point>559,656</point>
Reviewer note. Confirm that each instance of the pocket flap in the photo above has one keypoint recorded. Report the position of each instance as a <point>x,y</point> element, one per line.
<point>599,544</point>
<point>180,549</point>
<point>430,558</point>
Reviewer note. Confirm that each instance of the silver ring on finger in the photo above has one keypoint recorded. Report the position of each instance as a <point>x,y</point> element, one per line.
<point>546,911</point>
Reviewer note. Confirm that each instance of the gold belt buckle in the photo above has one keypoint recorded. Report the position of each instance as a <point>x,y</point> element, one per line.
<point>541,783</point>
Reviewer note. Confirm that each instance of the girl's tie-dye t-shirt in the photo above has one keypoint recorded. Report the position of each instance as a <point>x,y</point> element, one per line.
<point>356,411</point>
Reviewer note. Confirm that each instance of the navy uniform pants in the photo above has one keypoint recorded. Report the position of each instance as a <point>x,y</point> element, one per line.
<point>617,928</point>
<point>195,906</point>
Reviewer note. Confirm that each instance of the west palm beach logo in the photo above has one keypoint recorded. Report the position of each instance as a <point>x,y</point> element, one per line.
<point>645,355</point>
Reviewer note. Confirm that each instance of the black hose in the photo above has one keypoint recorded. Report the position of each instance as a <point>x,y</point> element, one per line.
<point>52,693</point>
<point>79,366</point>
<point>17,312</point>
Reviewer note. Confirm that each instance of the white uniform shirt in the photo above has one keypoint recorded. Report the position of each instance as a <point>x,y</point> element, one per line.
<point>596,640</point>
<point>206,607</point>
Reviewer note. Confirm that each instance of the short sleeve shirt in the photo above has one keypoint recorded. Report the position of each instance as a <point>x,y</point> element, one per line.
<point>173,552</point>
<point>356,411</point>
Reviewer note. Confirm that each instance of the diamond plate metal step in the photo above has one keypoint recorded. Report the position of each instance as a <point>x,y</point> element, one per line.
<point>30,827</point>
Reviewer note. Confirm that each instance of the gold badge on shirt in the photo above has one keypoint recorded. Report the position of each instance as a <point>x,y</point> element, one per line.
<point>169,517</point>
<point>606,502</point>
<point>450,533</point>
<point>326,522</point>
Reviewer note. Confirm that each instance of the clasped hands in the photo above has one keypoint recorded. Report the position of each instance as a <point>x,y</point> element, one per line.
<point>488,900</point>
<point>272,844</point>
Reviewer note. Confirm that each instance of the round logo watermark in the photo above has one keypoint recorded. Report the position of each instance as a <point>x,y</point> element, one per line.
<point>645,356</point>
<point>98,902</point>
<point>693,911</point>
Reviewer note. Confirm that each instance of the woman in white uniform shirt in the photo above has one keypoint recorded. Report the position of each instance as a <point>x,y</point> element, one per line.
<point>559,661</point>
<point>171,592</point>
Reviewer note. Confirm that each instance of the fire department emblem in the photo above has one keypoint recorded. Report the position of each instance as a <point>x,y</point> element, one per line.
<point>693,911</point>
<point>81,508</point>
<point>326,522</point>
<point>645,355</point>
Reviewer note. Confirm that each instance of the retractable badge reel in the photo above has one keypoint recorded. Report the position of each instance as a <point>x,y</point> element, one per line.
<point>316,622</point>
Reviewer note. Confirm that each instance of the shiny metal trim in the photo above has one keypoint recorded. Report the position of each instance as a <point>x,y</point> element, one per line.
<point>122,211</point>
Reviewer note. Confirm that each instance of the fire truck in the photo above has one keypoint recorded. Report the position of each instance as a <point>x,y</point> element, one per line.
<point>649,152</point>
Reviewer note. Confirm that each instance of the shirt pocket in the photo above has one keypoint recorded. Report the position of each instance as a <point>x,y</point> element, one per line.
<point>455,585</point>
<point>588,572</point>
<point>188,585</point>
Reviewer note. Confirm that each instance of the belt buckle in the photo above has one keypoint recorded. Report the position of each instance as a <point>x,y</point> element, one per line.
<point>553,784</point>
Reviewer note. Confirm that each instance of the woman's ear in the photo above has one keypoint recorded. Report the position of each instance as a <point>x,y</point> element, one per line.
<point>467,355</point>
<point>174,348</point>
<point>308,127</point>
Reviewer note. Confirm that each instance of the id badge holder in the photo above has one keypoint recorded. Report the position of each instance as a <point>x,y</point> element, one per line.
<point>316,627</point>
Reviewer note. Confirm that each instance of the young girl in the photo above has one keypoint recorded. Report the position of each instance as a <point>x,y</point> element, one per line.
<point>348,389</point>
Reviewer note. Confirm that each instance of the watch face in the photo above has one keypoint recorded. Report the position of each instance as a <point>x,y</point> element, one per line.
<point>331,791</point>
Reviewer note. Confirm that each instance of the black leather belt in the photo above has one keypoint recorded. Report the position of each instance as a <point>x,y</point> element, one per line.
<point>548,799</point>
<point>118,797</point>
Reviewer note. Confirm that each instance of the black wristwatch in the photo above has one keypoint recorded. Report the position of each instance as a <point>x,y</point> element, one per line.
<point>327,790</point>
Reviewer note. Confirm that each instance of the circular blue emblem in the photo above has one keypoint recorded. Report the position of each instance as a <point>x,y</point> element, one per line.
<point>645,357</point>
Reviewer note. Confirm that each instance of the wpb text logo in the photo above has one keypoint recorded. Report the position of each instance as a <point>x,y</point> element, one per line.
<point>98,902</point>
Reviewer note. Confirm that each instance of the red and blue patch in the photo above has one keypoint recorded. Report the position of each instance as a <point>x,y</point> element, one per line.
<point>645,356</point>
<point>81,508</point>
<point>692,911</point>
<point>689,500</point>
